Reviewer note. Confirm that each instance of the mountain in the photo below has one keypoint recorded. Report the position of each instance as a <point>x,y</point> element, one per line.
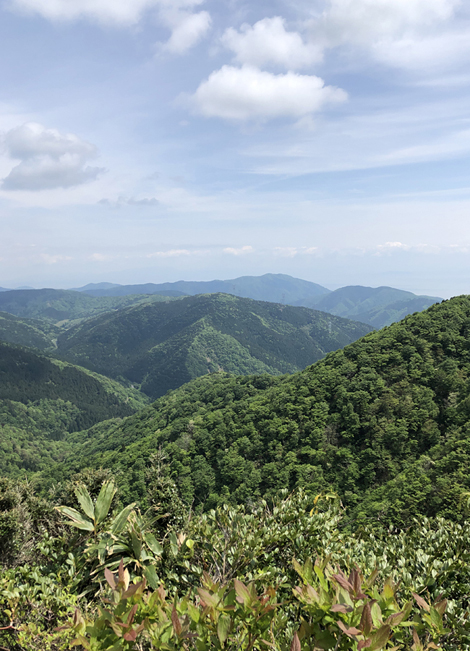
<point>377,306</point>
<point>28,332</point>
<point>385,422</point>
<point>276,288</point>
<point>42,399</point>
<point>2,289</point>
<point>163,345</point>
<point>61,307</point>
<point>95,286</point>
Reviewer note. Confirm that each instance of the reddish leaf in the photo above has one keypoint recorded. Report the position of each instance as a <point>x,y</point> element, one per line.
<point>130,636</point>
<point>363,644</point>
<point>176,622</point>
<point>341,608</point>
<point>350,632</point>
<point>366,624</point>
<point>295,644</point>
<point>131,615</point>
<point>109,576</point>
<point>420,601</point>
<point>344,583</point>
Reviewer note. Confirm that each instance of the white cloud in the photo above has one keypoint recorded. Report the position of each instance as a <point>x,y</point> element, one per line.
<point>146,202</point>
<point>48,158</point>
<point>243,250</point>
<point>188,29</point>
<point>120,12</point>
<point>269,43</point>
<point>368,21</point>
<point>248,93</point>
<point>172,253</point>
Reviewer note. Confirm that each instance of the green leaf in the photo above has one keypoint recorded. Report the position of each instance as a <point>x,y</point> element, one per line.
<point>380,638</point>
<point>103,503</point>
<point>223,627</point>
<point>153,544</point>
<point>119,522</point>
<point>84,499</point>
<point>77,518</point>
<point>151,575</point>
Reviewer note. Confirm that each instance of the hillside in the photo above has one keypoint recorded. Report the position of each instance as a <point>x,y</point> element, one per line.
<point>160,346</point>
<point>377,306</point>
<point>63,307</point>
<point>41,400</point>
<point>32,333</point>
<point>385,422</point>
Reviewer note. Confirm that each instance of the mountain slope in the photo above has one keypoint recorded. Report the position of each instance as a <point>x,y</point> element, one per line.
<point>163,345</point>
<point>275,288</point>
<point>27,332</point>
<point>42,399</point>
<point>385,422</point>
<point>60,306</point>
<point>377,306</point>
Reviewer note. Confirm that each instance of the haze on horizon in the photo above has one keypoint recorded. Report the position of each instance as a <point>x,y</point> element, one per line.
<point>158,140</point>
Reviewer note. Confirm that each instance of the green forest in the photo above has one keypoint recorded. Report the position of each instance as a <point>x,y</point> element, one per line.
<point>324,508</point>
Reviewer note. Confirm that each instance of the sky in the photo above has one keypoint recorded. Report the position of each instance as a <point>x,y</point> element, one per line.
<point>159,140</point>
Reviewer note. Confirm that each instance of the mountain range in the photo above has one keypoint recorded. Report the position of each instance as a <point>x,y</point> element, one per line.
<point>376,306</point>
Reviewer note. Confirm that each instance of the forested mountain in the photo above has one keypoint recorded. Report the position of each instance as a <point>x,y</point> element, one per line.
<point>32,333</point>
<point>276,288</point>
<point>377,306</point>
<point>42,399</point>
<point>160,346</point>
<point>61,307</point>
<point>385,422</point>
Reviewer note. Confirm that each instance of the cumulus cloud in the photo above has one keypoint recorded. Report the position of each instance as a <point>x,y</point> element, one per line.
<point>268,42</point>
<point>249,93</point>
<point>120,12</point>
<point>48,158</point>
<point>188,29</point>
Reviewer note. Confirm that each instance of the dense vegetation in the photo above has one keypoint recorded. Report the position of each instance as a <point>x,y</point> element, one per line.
<point>28,332</point>
<point>160,346</point>
<point>280,575</point>
<point>377,306</point>
<point>64,307</point>
<point>384,422</point>
<point>41,400</point>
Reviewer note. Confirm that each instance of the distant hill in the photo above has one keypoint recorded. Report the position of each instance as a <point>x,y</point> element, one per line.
<point>32,333</point>
<point>385,422</point>
<point>61,306</point>
<point>163,345</point>
<point>377,306</point>
<point>42,399</point>
<point>275,288</point>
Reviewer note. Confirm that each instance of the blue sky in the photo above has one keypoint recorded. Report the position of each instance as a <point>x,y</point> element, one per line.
<point>157,140</point>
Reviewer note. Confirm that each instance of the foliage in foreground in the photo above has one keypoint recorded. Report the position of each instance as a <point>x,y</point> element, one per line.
<point>284,575</point>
